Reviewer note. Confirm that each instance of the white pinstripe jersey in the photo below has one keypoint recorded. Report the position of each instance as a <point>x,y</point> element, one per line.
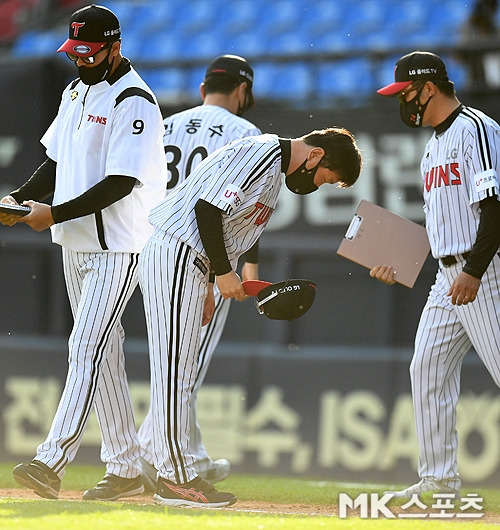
<point>100,130</point>
<point>459,168</point>
<point>192,134</point>
<point>243,179</point>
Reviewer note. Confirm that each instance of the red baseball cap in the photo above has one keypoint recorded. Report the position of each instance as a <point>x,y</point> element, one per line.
<point>415,66</point>
<point>90,28</point>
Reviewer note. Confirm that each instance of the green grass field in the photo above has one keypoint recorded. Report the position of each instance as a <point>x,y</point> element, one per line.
<point>42,514</point>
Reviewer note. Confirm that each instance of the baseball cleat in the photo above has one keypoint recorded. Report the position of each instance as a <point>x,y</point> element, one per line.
<point>197,493</point>
<point>216,471</point>
<point>426,485</point>
<point>112,488</point>
<point>38,477</point>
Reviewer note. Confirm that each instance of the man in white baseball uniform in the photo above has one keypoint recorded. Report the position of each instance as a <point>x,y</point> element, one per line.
<point>202,229</point>
<point>190,136</point>
<point>459,169</point>
<point>106,169</point>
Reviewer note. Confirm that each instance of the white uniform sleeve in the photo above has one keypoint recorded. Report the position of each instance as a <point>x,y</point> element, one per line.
<point>135,129</point>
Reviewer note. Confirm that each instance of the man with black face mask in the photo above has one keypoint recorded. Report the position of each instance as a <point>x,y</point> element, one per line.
<point>106,169</point>
<point>460,177</point>
<point>202,228</point>
<point>190,136</point>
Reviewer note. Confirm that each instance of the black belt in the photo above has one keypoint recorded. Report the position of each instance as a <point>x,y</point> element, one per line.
<point>448,261</point>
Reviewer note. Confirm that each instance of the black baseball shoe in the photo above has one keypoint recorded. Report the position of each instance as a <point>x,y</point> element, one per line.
<point>197,493</point>
<point>112,488</point>
<point>38,477</point>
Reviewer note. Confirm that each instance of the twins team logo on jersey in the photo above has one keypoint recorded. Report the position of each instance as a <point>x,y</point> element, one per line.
<point>261,214</point>
<point>233,196</point>
<point>447,175</point>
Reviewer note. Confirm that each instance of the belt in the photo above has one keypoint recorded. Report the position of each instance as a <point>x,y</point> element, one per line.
<point>448,261</point>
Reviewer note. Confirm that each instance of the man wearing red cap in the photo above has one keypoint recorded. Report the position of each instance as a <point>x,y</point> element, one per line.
<point>106,169</point>
<point>460,176</point>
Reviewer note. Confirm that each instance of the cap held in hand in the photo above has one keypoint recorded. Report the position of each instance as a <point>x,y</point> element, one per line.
<point>285,300</point>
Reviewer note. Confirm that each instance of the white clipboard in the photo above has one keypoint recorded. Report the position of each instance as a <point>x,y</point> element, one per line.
<point>377,236</point>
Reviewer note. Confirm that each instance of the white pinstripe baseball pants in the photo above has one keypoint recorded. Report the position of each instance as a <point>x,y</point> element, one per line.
<point>444,335</point>
<point>174,290</point>
<point>99,286</point>
<point>210,336</point>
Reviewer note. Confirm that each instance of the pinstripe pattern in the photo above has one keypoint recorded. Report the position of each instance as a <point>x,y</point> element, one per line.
<point>192,134</point>
<point>96,375</point>
<point>445,334</point>
<point>450,167</point>
<point>174,292</point>
<point>459,169</point>
<point>189,137</point>
<point>252,166</point>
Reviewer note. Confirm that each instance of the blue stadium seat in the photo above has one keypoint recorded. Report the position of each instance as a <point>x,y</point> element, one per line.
<point>446,19</point>
<point>290,43</point>
<point>34,43</point>
<point>166,83</point>
<point>322,16</point>
<point>160,46</point>
<point>125,10</point>
<point>194,78</point>
<point>407,16</point>
<point>194,16</point>
<point>280,16</point>
<point>346,78</point>
<point>237,16</point>
<point>290,81</point>
<point>153,16</point>
<point>248,43</point>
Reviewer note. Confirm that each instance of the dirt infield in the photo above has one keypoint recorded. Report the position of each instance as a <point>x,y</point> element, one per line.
<point>241,506</point>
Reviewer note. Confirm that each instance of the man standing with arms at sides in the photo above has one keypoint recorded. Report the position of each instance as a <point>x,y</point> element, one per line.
<point>106,169</point>
<point>190,136</point>
<point>202,229</point>
<point>459,172</point>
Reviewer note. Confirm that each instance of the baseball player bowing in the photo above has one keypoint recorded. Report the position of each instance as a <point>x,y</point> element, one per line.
<point>459,170</point>
<point>202,228</point>
<point>106,169</point>
<point>189,137</point>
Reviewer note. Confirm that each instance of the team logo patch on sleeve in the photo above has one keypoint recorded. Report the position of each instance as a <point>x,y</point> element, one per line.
<point>232,195</point>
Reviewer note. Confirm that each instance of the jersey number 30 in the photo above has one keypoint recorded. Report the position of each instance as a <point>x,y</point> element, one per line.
<point>175,158</point>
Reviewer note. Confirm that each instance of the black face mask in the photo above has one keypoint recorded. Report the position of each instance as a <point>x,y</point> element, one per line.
<point>301,181</point>
<point>248,103</point>
<point>92,76</point>
<point>412,112</point>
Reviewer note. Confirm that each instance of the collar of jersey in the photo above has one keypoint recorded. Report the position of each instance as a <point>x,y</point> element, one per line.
<point>123,68</point>
<point>286,152</point>
<point>446,124</point>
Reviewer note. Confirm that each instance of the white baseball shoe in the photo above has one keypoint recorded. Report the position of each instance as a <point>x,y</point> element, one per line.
<point>216,471</point>
<point>426,485</point>
<point>148,476</point>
